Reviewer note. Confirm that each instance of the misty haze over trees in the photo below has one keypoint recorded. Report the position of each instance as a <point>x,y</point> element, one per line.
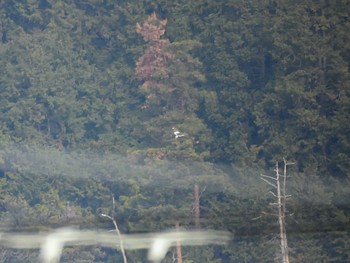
<point>174,109</point>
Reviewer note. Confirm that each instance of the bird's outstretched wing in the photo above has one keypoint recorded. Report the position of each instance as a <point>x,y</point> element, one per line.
<point>52,243</point>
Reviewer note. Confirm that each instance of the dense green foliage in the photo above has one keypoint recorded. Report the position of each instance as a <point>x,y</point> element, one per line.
<point>92,91</point>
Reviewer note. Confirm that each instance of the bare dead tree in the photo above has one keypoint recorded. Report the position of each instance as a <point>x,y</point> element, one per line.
<point>112,218</point>
<point>196,206</point>
<point>178,246</point>
<point>281,196</point>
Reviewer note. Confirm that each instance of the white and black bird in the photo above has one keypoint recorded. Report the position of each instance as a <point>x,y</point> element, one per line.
<point>177,133</point>
<point>51,244</point>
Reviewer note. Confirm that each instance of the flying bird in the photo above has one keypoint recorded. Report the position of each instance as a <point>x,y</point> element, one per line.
<point>52,243</point>
<point>177,133</point>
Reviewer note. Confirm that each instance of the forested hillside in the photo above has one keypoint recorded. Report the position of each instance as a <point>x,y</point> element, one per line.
<point>150,102</point>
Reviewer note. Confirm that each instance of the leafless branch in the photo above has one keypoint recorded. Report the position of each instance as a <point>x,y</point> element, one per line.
<point>268,182</point>
<point>112,218</point>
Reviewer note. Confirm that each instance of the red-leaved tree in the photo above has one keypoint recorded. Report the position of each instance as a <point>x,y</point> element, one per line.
<point>151,67</point>
<point>167,70</point>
